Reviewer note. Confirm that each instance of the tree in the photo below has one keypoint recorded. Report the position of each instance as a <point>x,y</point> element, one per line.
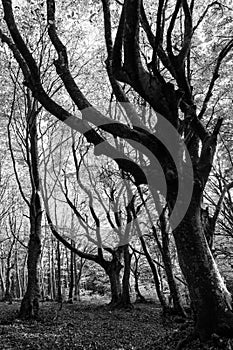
<point>165,83</point>
<point>29,146</point>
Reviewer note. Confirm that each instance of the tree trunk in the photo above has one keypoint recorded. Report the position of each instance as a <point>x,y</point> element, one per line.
<point>136,273</point>
<point>53,274</point>
<point>71,283</point>
<point>17,276</point>
<point>155,276</point>
<point>139,297</point>
<point>8,296</point>
<point>9,267</point>
<point>124,301</point>
<point>113,273</point>
<point>49,276</point>
<point>175,294</point>
<point>58,255</point>
<point>114,278</point>
<point>30,303</point>
<point>2,282</point>
<point>211,301</point>
<point>78,275</point>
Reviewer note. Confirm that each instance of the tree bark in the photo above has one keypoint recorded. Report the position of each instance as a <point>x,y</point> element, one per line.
<point>210,298</point>
<point>59,293</point>
<point>155,276</point>
<point>208,293</point>
<point>136,273</point>
<point>113,272</point>
<point>125,301</point>
<point>17,276</point>
<point>30,303</point>
<point>71,282</point>
<point>164,248</point>
<point>9,267</point>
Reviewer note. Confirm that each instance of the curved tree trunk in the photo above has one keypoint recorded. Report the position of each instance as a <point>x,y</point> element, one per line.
<point>210,298</point>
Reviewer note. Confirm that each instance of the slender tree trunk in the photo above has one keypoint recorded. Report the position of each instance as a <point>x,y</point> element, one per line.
<point>139,297</point>
<point>30,303</point>
<point>49,276</point>
<point>2,282</point>
<point>9,267</point>
<point>78,272</point>
<point>8,296</point>
<point>24,274</point>
<point>155,276</point>
<point>17,276</point>
<point>58,255</point>
<point>175,294</point>
<point>136,273</point>
<point>71,283</point>
<point>53,274</point>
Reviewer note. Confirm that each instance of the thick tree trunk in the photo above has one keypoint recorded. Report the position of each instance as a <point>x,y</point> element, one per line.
<point>125,301</point>
<point>211,301</point>
<point>114,278</point>
<point>30,303</point>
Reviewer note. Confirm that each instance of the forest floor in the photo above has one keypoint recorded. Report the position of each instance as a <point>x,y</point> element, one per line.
<point>90,325</point>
